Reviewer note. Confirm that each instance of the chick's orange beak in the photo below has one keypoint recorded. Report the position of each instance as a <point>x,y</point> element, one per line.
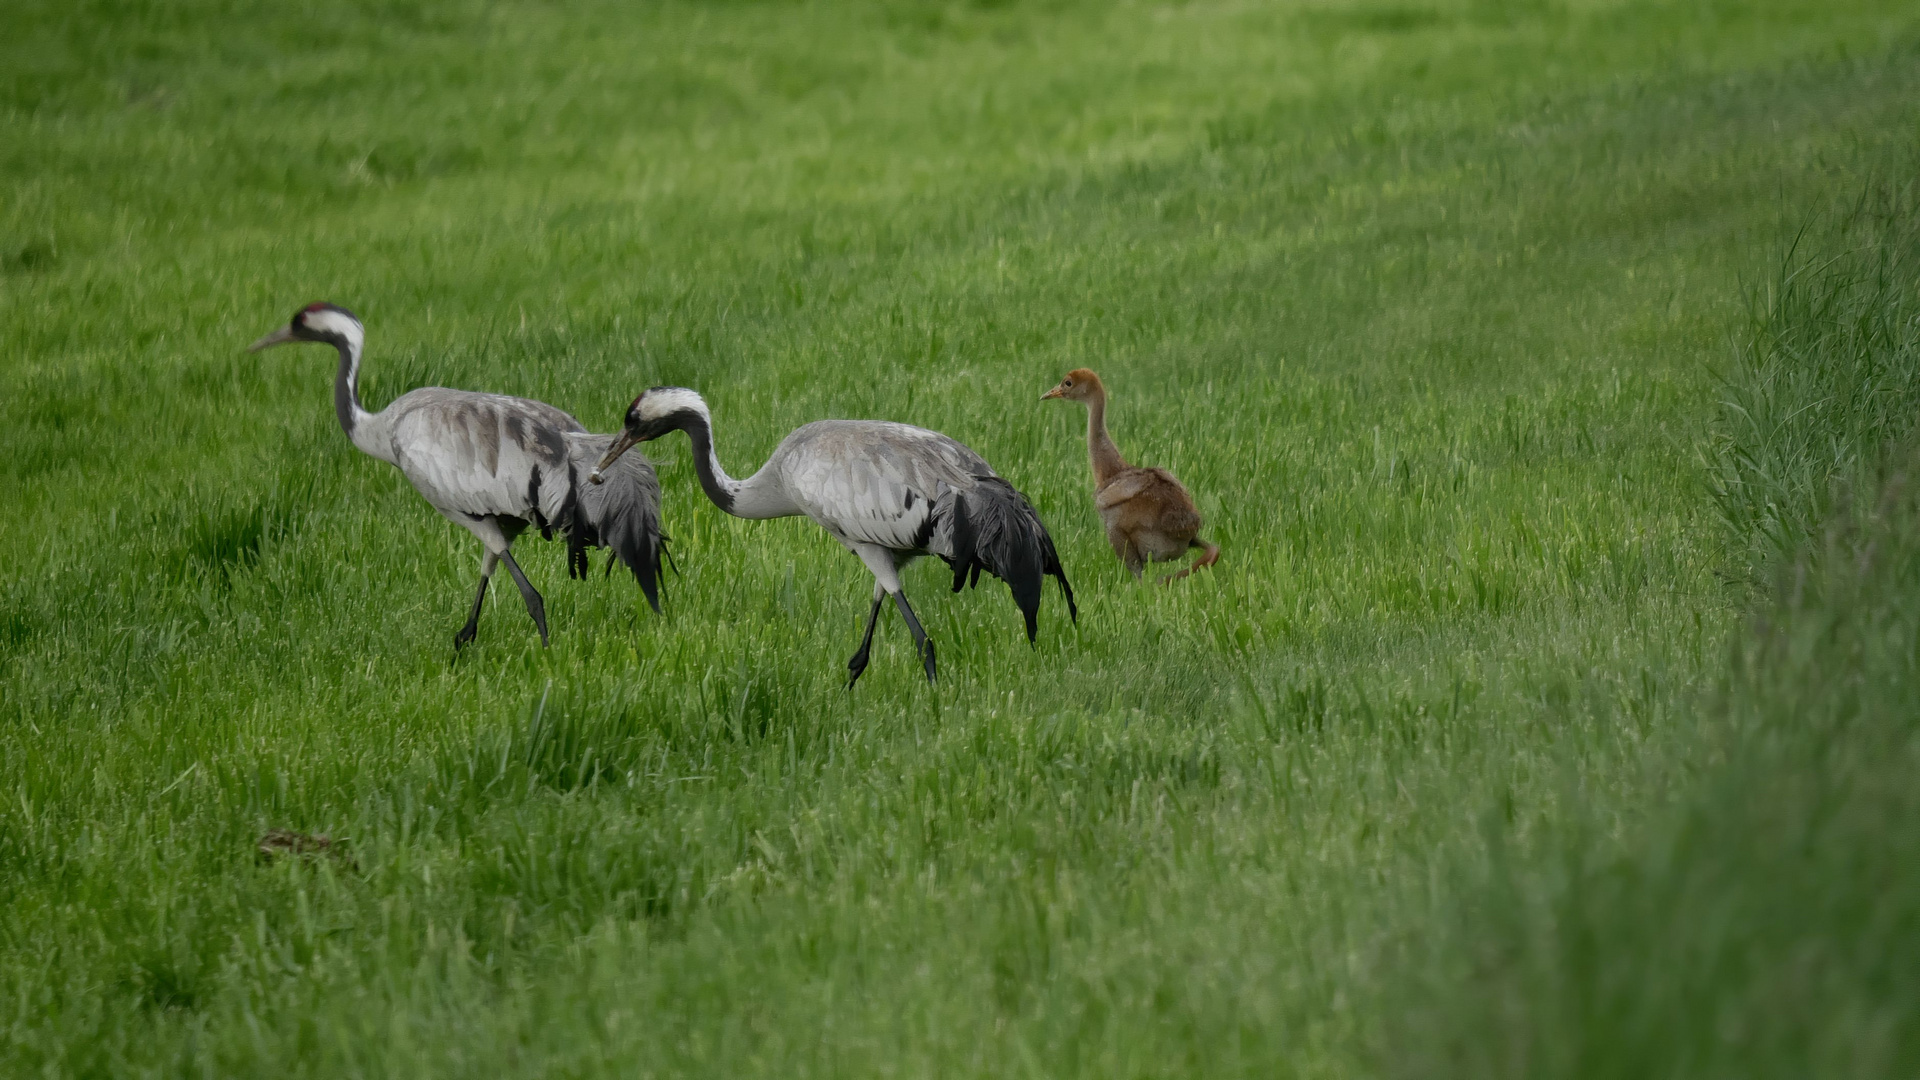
<point>1058,391</point>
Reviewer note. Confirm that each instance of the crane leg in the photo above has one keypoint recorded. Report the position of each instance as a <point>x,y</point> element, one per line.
<point>920,638</point>
<point>858,664</point>
<point>885,565</point>
<point>536,607</point>
<point>487,563</point>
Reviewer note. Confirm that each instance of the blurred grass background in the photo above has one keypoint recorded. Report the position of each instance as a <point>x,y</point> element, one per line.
<point>1479,330</point>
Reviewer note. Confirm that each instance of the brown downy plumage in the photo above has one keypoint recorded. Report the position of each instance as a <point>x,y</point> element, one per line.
<point>1148,514</point>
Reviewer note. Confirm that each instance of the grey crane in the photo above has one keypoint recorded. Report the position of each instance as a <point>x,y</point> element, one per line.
<point>889,493</point>
<point>495,466</point>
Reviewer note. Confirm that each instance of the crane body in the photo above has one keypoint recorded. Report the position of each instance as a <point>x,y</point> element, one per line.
<point>496,466</point>
<point>890,493</point>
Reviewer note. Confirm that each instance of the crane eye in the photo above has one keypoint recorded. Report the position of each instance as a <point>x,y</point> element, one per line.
<point>1066,382</point>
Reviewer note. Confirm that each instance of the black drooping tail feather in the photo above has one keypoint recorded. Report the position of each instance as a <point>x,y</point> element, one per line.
<point>994,528</point>
<point>622,512</point>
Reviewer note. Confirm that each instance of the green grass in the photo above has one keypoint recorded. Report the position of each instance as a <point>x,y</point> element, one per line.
<point>1827,384</point>
<point>1436,307</point>
<point>1761,925</point>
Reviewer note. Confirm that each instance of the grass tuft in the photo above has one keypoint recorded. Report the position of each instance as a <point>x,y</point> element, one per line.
<point>1827,380</point>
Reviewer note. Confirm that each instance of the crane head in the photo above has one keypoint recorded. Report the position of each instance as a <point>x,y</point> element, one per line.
<point>654,413</point>
<point>1078,385</point>
<point>328,323</point>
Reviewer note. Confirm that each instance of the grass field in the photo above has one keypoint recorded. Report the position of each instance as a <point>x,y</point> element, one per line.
<point>1468,758</point>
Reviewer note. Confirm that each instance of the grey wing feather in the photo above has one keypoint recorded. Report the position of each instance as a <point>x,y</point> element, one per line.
<point>483,454</point>
<point>873,482</point>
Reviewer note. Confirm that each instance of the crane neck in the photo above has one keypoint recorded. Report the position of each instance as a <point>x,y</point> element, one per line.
<point>1101,453</point>
<point>758,496</point>
<point>346,393</point>
<point>720,487</point>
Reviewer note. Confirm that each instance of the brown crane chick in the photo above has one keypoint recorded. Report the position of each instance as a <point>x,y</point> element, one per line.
<point>1148,514</point>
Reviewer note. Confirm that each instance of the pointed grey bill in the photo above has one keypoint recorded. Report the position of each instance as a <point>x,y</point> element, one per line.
<point>620,446</point>
<point>278,337</point>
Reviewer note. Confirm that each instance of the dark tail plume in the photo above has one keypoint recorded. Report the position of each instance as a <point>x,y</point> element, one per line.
<point>621,513</point>
<point>994,528</point>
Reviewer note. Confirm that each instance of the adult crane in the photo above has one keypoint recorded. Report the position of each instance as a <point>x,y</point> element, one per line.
<point>889,493</point>
<point>495,466</point>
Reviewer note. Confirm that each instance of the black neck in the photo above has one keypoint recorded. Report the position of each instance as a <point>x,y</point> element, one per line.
<point>346,390</point>
<point>716,486</point>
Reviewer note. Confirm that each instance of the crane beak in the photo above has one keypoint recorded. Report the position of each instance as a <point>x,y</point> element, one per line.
<point>278,337</point>
<point>620,446</point>
<point>1051,394</point>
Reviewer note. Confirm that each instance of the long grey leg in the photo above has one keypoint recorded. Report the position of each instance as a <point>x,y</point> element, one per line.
<point>487,563</point>
<point>536,607</point>
<point>920,637</point>
<point>859,662</point>
<point>885,566</point>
